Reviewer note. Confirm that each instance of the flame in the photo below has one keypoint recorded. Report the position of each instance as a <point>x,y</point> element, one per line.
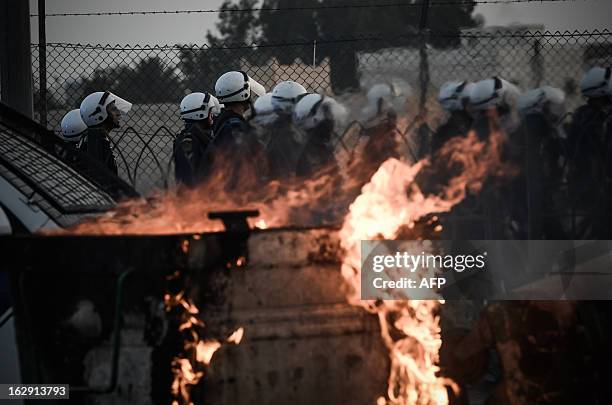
<point>319,201</point>
<point>173,276</point>
<point>236,337</point>
<point>189,367</point>
<point>386,199</point>
<point>261,224</point>
<point>205,350</point>
<point>389,203</point>
<point>239,262</point>
<point>186,211</point>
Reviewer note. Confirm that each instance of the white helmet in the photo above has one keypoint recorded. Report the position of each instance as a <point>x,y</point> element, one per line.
<point>491,93</point>
<point>386,91</point>
<point>217,107</point>
<point>286,94</point>
<point>197,106</point>
<point>93,107</point>
<point>72,126</point>
<point>392,97</point>
<point>306,109</point>
<point>264,112</point>
<point>453,96</point>
<point>263,104</point>
<point>237,86</point>
<point>596,83</point>
<point>313,109</point>
<point>544,99</point>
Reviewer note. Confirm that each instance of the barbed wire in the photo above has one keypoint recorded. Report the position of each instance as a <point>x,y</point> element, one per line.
<point>305,8</point>
<point>467,35</point>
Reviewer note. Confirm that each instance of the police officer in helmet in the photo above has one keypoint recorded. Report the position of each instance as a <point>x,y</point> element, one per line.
<point>542,111</point>
<point>317,116</point>
<point>454,97</point>
<point>236,148</point>
<point>102,112</point>
<point>590,150</point>
<point>190,152</point>
<point>236,91</point>
<point>283,150</point>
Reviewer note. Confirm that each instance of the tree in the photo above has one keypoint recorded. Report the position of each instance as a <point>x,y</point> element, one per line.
<point>53,103</point>
<point>289,26</point>
<point>397,24</point>
<point>236,29</point>
<point>335,30</point>
<point>150,81</point>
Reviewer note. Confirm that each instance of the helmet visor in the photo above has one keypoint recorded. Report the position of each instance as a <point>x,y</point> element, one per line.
<point>256,88</point>
<point>122,105</point>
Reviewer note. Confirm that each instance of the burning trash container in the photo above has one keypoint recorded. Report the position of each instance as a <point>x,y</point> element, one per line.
<point>226,317</point>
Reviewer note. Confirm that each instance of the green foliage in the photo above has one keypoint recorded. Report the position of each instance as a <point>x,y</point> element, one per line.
<point>396,24</point>
<point>202,67</point>
<point>150,81</point>
<point>235,28</point>
<point>393,23</point>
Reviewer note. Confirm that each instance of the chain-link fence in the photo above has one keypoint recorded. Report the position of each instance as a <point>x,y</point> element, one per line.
<point>155,78</point>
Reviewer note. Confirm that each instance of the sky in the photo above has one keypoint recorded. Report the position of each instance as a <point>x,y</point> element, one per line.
<point>191,28</point>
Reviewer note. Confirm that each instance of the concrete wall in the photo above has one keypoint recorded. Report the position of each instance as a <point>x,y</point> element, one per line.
<point>303,344</point>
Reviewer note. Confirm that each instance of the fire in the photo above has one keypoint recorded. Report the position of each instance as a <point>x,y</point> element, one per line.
<point>239,262</point>
<point>384,205</point>
<point>189,367</point>
<point>205,351</point>
<point>319,201</point>
<point>261,224</point>
<point>236,337</point>
<point>389,203</point>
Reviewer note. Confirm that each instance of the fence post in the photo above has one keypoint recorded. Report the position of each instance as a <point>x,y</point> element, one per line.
<point>314,53</point>
<point>537,63</point>
<point>42,61</point>
<point>16,55</point>
<point>424,61</point>
<point>423,134</point>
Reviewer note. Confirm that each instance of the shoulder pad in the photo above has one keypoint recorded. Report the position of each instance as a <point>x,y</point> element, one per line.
<point>236,123</point>
<point>233,124</point>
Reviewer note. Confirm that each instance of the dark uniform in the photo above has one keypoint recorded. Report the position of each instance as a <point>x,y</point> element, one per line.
<point>192,162</point>
<point>546,350</point>
<point>589,143</point>
<point>228,128</point>
<point>97,145</point>
<point>545,157</point>
<point>514,190</point>
<point>318,161</point>
<point>382,142</point>
<point>458,124</point>
<point>283,150</point>
<point>484,215</point>
<point>318,153</point>
<point>237,150</point>
<point>67,151</point>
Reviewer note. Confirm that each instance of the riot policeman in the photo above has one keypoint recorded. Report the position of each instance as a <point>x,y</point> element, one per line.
<point>191,146</point>
<point>102,112</point>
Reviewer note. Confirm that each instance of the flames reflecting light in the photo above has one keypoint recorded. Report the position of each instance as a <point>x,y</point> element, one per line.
<point>189,367</point>
<point>391,201</point>
<point>383,204</point>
